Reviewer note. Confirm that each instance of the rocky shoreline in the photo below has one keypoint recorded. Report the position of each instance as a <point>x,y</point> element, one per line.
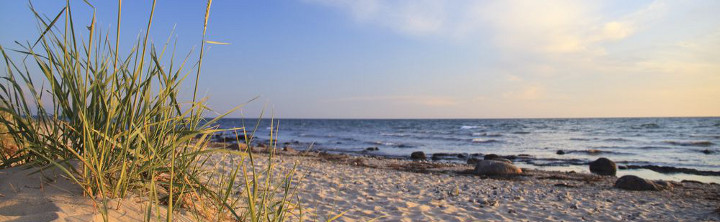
<point>471,157</point>
<point>368,187</point>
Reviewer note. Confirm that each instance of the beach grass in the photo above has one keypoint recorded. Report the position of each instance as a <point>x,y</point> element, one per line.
<point>111,119</point>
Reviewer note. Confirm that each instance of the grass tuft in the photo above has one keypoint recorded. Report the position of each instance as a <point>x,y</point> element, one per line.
<point>114,124</point>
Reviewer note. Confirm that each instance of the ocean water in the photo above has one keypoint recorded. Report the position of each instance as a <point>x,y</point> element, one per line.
<point>679,142</point>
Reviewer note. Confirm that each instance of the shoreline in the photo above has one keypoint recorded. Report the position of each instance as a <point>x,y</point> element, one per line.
<point>364,188</point>
<point>646,168</point>
<point>405,190</point>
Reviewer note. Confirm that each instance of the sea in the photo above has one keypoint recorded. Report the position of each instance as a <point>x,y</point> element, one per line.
<point>688,143</point>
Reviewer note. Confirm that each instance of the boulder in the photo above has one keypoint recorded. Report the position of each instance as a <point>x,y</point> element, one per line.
<point>418,155</point>
<point>472,161</point>
<point>490,156</point>
<point>503,160</point>
<point>495,168</point>
<point>603,166</point>
<point>560,152</point>
<point>372,148</point>
<point>630,182</point>
<point>498,158</point>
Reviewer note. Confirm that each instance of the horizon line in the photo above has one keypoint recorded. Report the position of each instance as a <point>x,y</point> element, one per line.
<point>466,118</point>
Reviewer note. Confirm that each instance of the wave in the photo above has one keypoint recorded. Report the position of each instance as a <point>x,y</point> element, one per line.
<point>478,140</point>
<point>392,144</point>
<point>580,139</point>
<point>616,139</point>
<point>597,152</point>
<point>487,134</point>
<point>634,147</point>
<point>395,134</point>
<point>469,127</point>
<point>646,126</point>
<point>521,132</point>
<point>690,143</point>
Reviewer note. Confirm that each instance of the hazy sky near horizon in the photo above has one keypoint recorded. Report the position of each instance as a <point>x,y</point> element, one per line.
<point>434,58</point>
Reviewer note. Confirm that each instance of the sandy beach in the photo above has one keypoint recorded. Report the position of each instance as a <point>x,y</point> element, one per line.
<point>388,190</point>
<point>383,189</point>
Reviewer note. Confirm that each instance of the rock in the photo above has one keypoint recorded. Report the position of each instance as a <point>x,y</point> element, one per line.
<point>472,161</point>
<point>372,149</point>
<point>237,146</point>
<point>663,185</point>
<point>503,160</point>
<point>603,166</point>
<point>289,149</point>
<point>707,151</point>
<point>630,182</point>
<point>691,181</point>
<point>510,157</point>
<point>622,167</point>
<point>495,168</point>
<point>560,152</point>
<point>491,156</point>
<point>418,155</point>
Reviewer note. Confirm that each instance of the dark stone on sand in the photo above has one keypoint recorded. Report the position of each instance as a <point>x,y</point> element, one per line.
<point>503,160</point>
<point>707,151</point>
<point>560,152</point>
<point>622,167</point>
<point>490,156</point>
<point>289,149</point>
<point>603,166</point>
<point>630,182</point>
<point>691,181</point>
<point>372,149</point>
<point>510,157</point>
<point>472,161</point>
<point>495,168</point>
<point>495,157</point>
<point>418,155</point>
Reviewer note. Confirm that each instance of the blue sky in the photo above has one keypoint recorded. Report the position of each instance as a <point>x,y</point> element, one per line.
<point>434,59</point>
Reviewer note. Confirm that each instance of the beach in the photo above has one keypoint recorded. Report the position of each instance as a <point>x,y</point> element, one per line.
<point>364,188</point>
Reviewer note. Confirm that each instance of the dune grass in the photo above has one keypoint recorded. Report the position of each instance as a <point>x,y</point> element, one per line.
<point>113,122</point>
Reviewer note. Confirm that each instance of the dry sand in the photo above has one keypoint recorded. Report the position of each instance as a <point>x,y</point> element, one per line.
<point>51,196</point>
<point>387,190</point>
<point>368,188</point>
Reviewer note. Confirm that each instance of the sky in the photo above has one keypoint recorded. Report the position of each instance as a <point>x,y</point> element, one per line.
<point>431,58</point>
